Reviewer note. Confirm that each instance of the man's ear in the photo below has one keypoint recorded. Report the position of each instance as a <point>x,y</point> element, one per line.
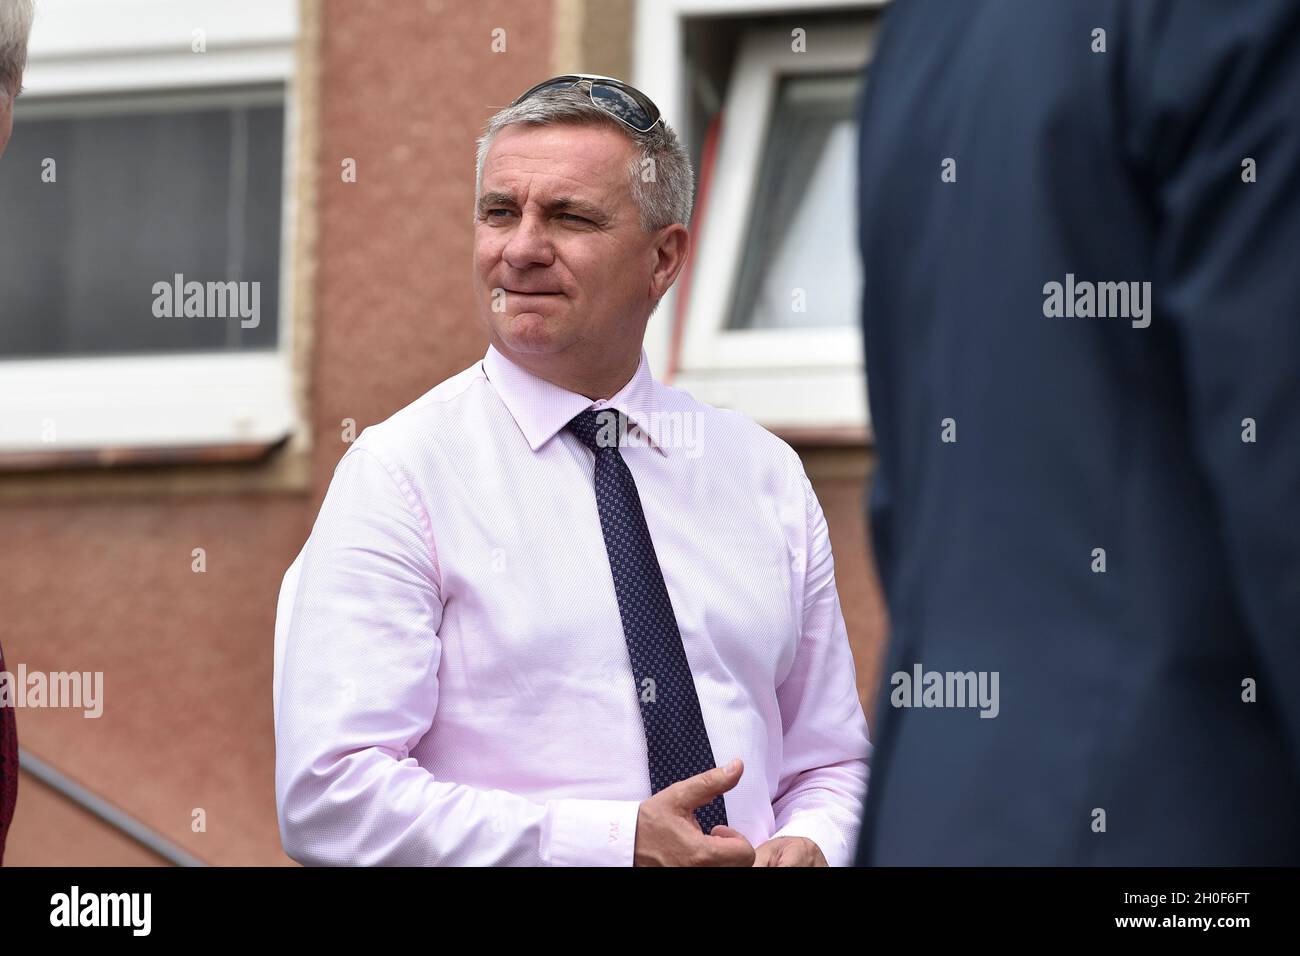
<point>671,248</point>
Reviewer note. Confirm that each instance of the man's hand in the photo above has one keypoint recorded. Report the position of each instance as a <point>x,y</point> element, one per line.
<point>789,851</point>
<point>667,833</point>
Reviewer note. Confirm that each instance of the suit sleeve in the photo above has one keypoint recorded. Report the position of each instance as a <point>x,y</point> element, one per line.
<point>1217,94</point>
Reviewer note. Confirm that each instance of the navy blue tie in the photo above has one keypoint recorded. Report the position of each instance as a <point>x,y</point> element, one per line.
<point>676,740</point>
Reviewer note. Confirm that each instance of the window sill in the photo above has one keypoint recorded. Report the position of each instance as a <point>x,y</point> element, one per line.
<point>831,452</point>
<point>283,466</point>
<point>66,459</point>
<point>806,436</point>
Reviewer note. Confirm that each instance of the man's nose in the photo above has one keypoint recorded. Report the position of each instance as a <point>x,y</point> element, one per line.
<point>529,245</point>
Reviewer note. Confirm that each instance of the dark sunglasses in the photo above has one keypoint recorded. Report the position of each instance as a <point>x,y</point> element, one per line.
<point>625,103</point>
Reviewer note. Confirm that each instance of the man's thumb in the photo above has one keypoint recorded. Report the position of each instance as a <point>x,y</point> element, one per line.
<point>703,787</point>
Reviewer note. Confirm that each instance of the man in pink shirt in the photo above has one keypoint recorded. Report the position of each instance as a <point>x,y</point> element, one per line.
<point>15,25</point>
<point>555,612</point>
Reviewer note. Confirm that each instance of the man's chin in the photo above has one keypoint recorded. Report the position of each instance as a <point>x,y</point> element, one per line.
<point>533,332</point>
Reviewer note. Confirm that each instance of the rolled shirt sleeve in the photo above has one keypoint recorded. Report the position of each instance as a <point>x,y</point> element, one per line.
<point>360,689</point>
<point>826,746</point>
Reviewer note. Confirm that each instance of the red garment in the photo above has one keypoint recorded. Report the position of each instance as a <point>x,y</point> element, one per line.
<point>8,766</point>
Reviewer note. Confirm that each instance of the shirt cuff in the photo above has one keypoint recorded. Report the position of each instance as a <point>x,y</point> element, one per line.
<point>591,833</point>
<point>816,827</point>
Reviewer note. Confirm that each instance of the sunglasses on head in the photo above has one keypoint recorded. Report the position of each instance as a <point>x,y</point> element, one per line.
<point>625,103</point>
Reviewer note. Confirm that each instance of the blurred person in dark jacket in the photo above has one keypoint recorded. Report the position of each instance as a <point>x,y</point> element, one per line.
<point>1080,225</point>
<point>15,25</point>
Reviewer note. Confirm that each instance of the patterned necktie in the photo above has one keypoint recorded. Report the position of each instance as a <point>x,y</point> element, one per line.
<point>676,740</point>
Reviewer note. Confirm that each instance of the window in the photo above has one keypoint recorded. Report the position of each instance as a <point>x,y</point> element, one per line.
<point>767,320</point>
<point>150,188</point>
<point>146,222</point>
<point>799,229</point>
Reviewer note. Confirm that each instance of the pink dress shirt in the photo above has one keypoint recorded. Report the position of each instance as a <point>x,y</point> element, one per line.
<point>453,685</point>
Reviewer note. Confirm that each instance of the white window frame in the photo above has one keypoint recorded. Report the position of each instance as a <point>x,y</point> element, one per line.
<point>786,379</point>
<point>173,400</point>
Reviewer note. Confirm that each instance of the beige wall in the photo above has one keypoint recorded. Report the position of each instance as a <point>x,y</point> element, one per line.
<point>98,576</point>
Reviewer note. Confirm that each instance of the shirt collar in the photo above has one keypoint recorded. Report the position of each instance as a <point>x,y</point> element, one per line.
<point>541,408</point>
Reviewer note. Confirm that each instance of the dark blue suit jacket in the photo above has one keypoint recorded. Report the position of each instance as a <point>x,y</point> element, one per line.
<point>1119,690</point>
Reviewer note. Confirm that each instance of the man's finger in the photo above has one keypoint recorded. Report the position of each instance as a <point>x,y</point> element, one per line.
<point>730,850</point>
<point>698,790</point>
<point>722,830</point>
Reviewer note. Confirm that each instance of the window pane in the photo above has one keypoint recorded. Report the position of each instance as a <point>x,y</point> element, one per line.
<point>182,185</point>
<point>802,232</point>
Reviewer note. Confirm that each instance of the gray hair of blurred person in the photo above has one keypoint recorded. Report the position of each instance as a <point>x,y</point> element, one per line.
<point>15,25</point>
<point>663,197</point>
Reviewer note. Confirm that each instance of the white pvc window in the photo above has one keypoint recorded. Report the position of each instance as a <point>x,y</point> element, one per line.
<point>799,265</point>
<point>772,325</point>
<point>153,141</point>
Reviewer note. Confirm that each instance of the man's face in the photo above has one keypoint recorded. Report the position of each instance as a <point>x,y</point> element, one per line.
<point>6,113</point>
<point>557,235</point>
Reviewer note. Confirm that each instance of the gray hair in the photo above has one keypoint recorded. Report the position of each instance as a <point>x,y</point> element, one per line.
<point>15,25</point>
<point>663,181</point>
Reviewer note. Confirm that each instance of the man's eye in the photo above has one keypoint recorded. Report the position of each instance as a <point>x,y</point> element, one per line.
<point>492,213</point>
<point>574,218</point>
